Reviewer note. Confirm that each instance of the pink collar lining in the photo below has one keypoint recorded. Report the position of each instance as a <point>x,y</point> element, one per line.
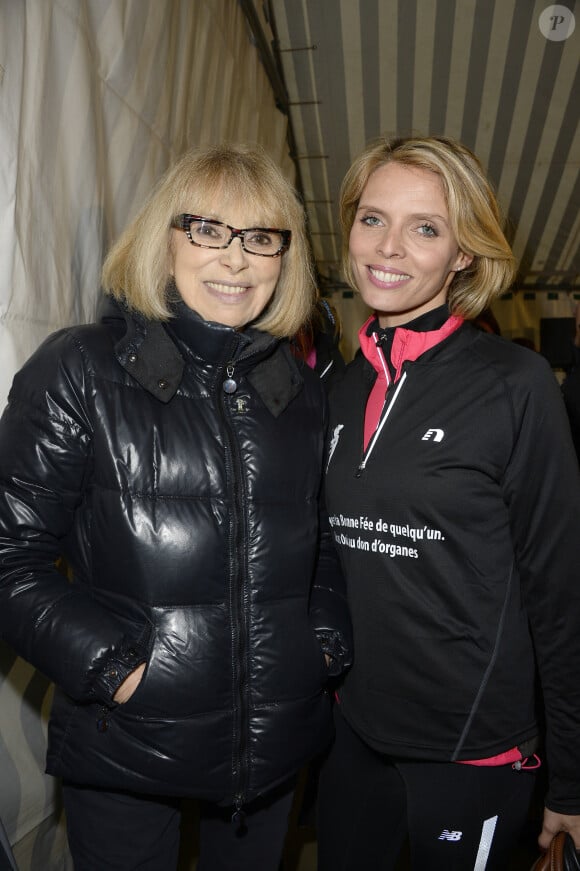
<point>407,344</point>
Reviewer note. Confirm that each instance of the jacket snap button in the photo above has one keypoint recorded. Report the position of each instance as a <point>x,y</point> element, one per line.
<point>132,358</point>
<point>112,672</point>
<point>162,384</point>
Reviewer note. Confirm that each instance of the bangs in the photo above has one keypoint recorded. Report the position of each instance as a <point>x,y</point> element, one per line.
<point>213,194</point>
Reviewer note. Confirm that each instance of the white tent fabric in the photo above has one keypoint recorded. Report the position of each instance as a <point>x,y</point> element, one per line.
<point>98,98</point>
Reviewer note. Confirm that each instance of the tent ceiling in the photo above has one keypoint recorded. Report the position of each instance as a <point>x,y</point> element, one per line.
<point>478,70</point>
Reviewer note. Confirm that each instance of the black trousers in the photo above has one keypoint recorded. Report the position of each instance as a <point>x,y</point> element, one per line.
<point>456,817</point>
<point>117,831</point>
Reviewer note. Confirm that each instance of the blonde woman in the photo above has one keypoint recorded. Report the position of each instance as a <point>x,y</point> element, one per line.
<point>172,453</point>
<point>453,493</point>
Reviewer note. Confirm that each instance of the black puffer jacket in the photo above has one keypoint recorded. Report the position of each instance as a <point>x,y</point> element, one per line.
<point>189,519</point>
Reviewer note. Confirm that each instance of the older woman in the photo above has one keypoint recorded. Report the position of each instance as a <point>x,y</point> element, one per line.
<point>172,454</point>
<point>453,492</point>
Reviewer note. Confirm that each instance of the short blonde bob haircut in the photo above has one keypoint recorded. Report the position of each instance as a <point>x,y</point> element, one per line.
<point>138,268</point>
<point>473,212</point>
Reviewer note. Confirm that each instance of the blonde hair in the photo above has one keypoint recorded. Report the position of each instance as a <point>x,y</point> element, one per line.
<point>137,269</point>
<point>474,214</point>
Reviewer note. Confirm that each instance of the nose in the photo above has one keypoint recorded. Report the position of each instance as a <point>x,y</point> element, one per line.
<point>234,255</point>
<point>390,243</point>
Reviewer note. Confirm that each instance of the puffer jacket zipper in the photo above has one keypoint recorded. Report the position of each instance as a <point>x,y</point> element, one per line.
<point>238,594</point>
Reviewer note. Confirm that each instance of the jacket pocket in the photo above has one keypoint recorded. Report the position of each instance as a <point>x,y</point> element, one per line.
<point>187,672</point>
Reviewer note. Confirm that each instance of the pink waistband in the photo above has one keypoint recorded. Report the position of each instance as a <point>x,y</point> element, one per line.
<point>510,756</point>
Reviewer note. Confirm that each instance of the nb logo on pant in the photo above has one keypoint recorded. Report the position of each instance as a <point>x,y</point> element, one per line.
<point>446,835</point>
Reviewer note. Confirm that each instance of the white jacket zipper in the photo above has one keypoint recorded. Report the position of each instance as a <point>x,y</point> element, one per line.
<point>377,432</point>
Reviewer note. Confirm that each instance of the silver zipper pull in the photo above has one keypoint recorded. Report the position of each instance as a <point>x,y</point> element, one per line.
<point>229,385</point>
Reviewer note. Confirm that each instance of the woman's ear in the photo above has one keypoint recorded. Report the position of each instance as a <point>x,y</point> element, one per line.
<point>463,261</point>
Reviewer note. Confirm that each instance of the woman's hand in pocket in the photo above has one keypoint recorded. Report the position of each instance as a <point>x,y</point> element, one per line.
<point>129,685</point>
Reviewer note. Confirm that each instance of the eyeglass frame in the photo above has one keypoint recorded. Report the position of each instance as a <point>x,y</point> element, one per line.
<point>183,222</point>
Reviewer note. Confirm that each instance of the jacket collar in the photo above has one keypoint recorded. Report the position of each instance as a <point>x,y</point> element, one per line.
<point>407,342</point>
<point>211,343</point>
<point>154,354</point>
<point>145,350</point>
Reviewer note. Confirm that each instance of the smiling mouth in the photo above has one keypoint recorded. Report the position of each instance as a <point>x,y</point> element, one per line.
<point>388,277</point>
<point>227,289</point>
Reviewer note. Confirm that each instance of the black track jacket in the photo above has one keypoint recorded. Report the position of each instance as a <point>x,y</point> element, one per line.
<point>459,536</point>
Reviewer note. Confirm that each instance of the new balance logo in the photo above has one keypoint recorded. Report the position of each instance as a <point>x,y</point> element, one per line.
<point>435,435</point>
<point>446,835</point>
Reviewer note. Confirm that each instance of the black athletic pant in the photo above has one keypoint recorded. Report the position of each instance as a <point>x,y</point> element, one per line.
<point>116,831</point>
<point>457,817</point>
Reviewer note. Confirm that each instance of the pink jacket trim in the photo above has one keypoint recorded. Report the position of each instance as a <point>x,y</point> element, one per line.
<point>407,345</point>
